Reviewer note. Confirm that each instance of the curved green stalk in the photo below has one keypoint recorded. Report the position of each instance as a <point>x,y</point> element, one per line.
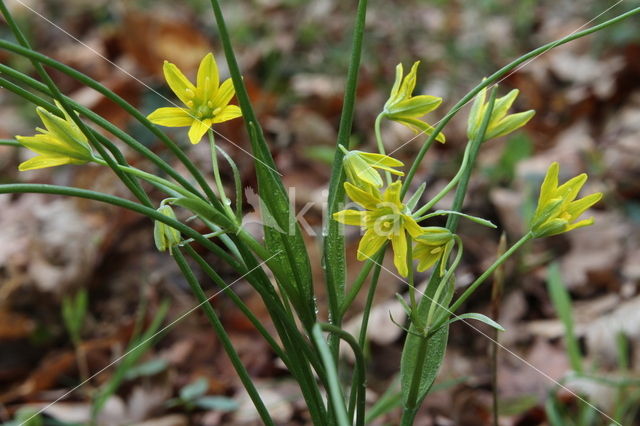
<point>380,144</point>
<point>335,390</point>
<point>160,182</point>
<point>226,203</point>
<point>243,374</point>
<point>359,369</point>
<point>211,273</point>
<point>130,109</point>
<point>10,142</point>
<point>496,76</point>
<point>124,203</point>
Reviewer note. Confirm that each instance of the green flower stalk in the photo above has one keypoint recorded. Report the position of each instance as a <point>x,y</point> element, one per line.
<point>500,123</point>
<point>360,167</point>
<point>557,211</point>
<point>406,109</point>
<point>384,219</point>
<point>165,236</point>
<point>61,142</point>
<point>207,102</point>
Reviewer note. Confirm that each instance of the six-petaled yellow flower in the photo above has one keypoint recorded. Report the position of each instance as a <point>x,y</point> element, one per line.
<point>360,167</point>
<point>433,244</point>
<point>384,219</point>
<point>61,142</point>
<point>207,102</point>
<point>557,211</point>
<point>407,109</point>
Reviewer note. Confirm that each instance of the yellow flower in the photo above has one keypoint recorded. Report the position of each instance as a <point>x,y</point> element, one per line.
<point>557,211</point>
<point>500,123</point>
<point>385,218</point>
<point>433,244</point>
<point>61,143</point>
<point>360,167</point>
<point>164,235</point>
<point>207,102</point>
<point>407,109</point>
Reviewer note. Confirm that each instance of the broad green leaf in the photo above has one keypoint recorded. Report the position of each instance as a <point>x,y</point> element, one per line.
<point>284,239</point>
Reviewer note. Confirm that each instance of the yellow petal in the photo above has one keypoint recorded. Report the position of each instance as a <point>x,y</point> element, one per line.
<point>224,95</point>
<point>392,194</point>
<point>198,129</point>
<point>369,245</point>
<point>350,217</point>
<point>377,160</point>
<point>228,113</point>
<point>42,161</point>
<point>425,256</point>
<point>171,117</point>
<point>549,185</point>
<point>412,226</point>
<point>179,84</point>
<point>578,207</point>
<point>208,79</point>
<point>365,199</point>
<point>399,243</point>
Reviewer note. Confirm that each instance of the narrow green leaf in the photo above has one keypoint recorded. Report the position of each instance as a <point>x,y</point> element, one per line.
<point>413,201</point>
<point>478,317</point>
<point>562,304</point>
<point>205,211</point>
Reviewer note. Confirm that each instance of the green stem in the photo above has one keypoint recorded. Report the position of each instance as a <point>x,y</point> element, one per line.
<point>10,142</point>
<point>359,281</point>
<point>362,337</point>
<point>380,144</point>
<point>486,274</point>
<point>127,204</point>
<point>497,76</point>
<point>333,244</point>
<point>359,368</point>
<point>448,188</point>
<point>217,279</point>
<point>223,336</point>
<point>158,181</point>
<point>216,174</point>
<point>452,223</point>
<point>130,109</point>
<point>335,390</point>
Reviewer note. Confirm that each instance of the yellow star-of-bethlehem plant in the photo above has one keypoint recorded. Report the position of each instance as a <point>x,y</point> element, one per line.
<point>360,167</point>
<point>407,109</point>
<point>61,142</point>
<point>557,211</point>
<point>384,219</point>
<point>207,102</point>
